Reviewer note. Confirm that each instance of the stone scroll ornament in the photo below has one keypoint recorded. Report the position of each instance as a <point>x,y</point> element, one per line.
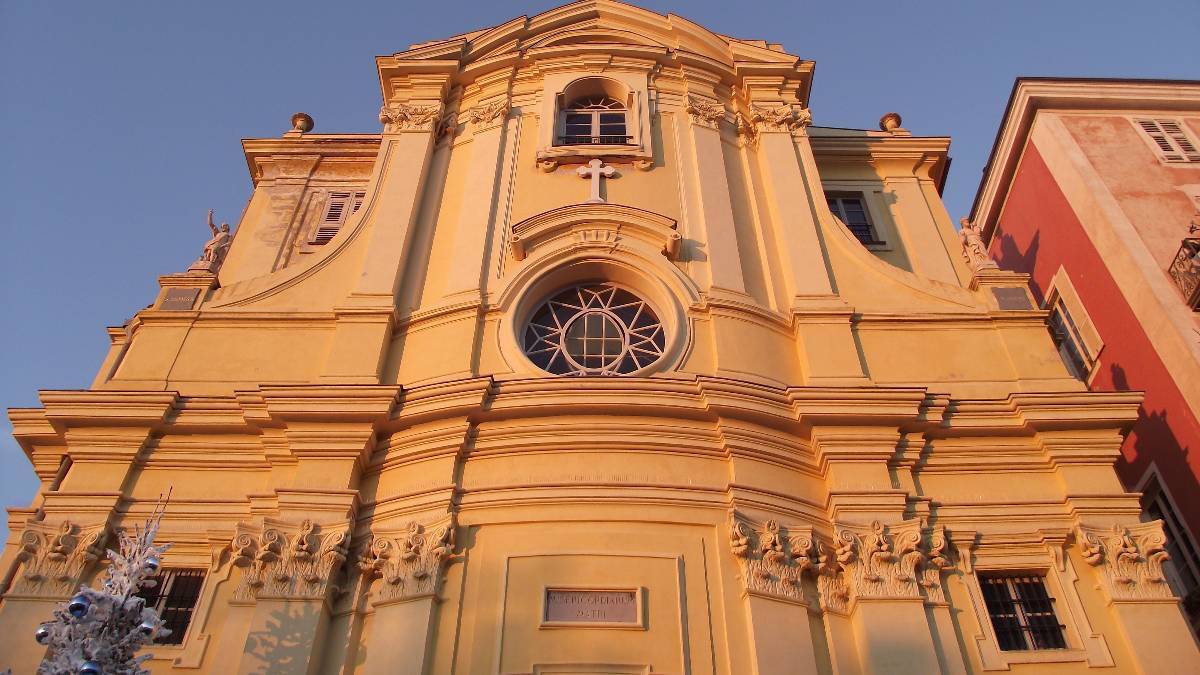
<point>772,558</point>
<point>408,563</point>
<point>55,556</point>
<point>705,112</point>
<point>1130,558</point>
<point>780,118</point>
<point>488,115</point>
<point>410,117</point>
<point>879,561</point>
<point>289,561</point>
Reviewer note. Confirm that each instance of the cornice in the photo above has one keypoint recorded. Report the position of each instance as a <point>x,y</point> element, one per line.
<point>258,151</point>
<point>1030,95</point>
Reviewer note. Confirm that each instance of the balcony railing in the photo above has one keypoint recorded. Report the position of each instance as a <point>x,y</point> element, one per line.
<point>594,140</point>
<point>1185,270</point>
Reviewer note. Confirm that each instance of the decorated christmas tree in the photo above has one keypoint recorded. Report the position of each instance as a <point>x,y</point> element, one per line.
<point>99,632</point>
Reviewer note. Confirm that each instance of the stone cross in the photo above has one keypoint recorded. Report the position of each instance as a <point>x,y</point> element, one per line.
<point>594,170</point>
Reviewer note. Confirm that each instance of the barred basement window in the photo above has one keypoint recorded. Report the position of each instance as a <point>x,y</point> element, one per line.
<point>594,329</point>
<point>853,212</point>
<point>174,597</point>
<point>1022,612</point>
<point>341,206</point>
<point>1170,140</point>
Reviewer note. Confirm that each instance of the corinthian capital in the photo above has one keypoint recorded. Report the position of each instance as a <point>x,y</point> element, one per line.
<point>488,115</point>
<point>783,118</point>
<point>408,562</point>
<point>53,557</point>
<point>902,560</point>
<point>1130,559</point>
<point>290,561</point>
<point>410,117</point>
<point>772,557</point>
<point>705,112</point>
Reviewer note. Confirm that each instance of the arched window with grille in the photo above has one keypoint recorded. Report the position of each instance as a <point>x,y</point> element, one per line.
<point>594,111</point>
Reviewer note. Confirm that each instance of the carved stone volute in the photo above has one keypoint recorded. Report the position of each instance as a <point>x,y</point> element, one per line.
<point>408,563</point>
<point>1129,558</point>
<point>772,558</point>
<point>54,557</point>
<point>288,561</point>
<point>410,117</point>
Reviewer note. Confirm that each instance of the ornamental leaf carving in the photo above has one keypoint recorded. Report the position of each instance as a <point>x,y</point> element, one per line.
<point>705,112</point>
<point>772,558</point>
<point>904,560</point>
<point>782,118</point>
<point>55,556</point>
<point>1131,559</point>
<point>289,561</point>
<point>410,117</point>
<point>408,563</point>
<point>485,115</point>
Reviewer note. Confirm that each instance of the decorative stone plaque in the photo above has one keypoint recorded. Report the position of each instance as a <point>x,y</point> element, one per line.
<point>594,607</point>
<point>1012,298</point>
<point>179,299</point>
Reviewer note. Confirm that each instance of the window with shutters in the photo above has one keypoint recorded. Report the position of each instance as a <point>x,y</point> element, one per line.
<point>852,210</point>
<point>1170,139</point>
<point>1071,328</point>
<point>174,597</point>
<point>340,207</point>
<point>1022,612</point>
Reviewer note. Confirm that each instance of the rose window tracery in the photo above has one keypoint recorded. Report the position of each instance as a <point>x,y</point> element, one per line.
<point>594,329</point>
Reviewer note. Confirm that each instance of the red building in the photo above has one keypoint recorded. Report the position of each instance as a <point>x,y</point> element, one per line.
<point>1093,189</point>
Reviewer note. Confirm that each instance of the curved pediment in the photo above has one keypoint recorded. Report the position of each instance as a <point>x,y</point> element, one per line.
<point>596,225</point>
<point>598,22</point>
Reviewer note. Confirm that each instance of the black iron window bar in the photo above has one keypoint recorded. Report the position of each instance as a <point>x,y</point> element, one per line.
<point>1022,613</point>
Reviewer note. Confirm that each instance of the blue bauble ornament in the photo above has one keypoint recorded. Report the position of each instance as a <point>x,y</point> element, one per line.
<point>79,606</point>
<point>42,634</point>
<point>90,668</point>
<point>152,564</point>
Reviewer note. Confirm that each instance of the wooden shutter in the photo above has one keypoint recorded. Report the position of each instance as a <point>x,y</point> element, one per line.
<point>1176,133</point>
<point>339,208</point>
<point>1170,139</point>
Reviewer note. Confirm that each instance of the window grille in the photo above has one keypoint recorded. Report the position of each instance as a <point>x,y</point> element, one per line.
<point>1022,612</point>
<point>1170,139</point>
<point>341,205</point>
<point>594,329</point>
<point>853,212</point>
<point>174,597</point>
<point>599,120</point>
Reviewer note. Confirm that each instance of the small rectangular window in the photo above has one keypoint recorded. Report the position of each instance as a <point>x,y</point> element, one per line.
<point>1169,139</point>
<point>1070,344</point>
<point>174,597</point>
<point>853,212</point>
<point>340,207</point>
<point>1022,612</point>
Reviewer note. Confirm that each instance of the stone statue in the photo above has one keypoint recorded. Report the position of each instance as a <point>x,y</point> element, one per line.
<point>974,251</point>
<point>214,249</point>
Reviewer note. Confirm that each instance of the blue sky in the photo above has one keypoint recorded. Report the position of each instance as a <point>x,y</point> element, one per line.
<point>121,121</point>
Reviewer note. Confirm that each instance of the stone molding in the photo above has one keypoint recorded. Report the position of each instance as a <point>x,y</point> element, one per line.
<point>287,561</point>
<point>1131,559</point>
<point>772,558</point>
<point>54,557</point>
<point>408,562</point>
<point>705,112</point>
<point>409,117</point>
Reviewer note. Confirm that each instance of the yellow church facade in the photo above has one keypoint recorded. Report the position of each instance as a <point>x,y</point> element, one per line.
<point>602,357</point>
